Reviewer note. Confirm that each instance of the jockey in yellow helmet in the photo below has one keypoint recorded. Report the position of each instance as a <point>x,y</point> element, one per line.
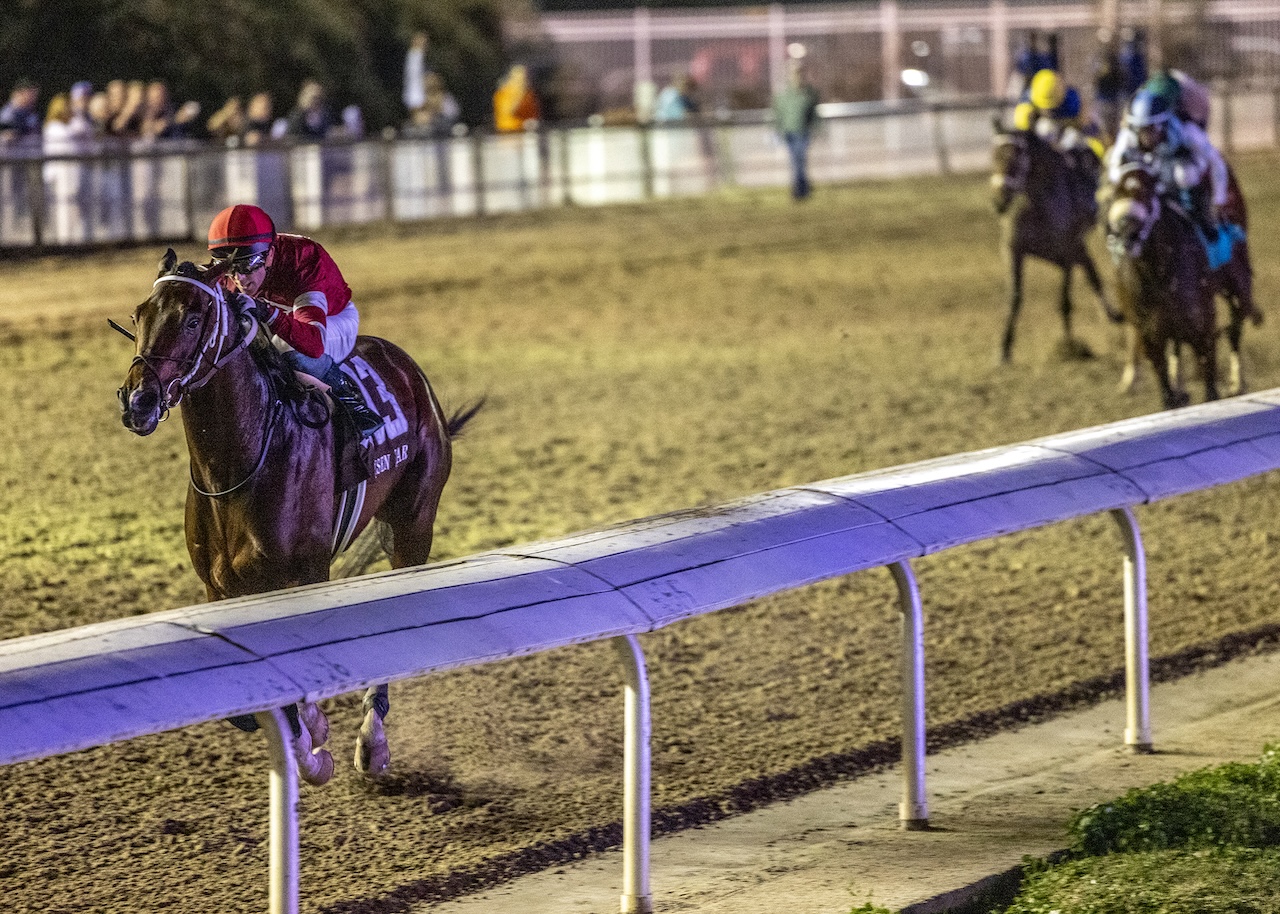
<point>1052,109</point>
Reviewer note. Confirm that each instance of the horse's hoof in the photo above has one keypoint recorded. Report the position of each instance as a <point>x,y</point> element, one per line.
<point>314,767</point>
<point>373,755</point>
<point>316,722</point>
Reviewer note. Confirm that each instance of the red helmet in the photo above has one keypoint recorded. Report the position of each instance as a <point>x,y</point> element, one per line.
<point>241,231</point>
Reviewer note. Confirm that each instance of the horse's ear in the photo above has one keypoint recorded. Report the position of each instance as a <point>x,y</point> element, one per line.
<point>215,270</point>
<point>168,262</point>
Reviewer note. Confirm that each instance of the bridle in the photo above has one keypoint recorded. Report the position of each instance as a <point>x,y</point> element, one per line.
<point>1118,246</point>
<point>214,351</point>
<point>1014,176</point>
<point>198,368</point>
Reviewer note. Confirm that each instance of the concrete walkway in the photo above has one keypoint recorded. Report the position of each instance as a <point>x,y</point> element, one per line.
<point>990,804</point>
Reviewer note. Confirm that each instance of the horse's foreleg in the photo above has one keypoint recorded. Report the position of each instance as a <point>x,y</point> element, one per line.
<point>1133,363</point>
<point>1109,309</point>
<point>1015,305</point>
<point>1207,358</point>
<point>1171,394</point>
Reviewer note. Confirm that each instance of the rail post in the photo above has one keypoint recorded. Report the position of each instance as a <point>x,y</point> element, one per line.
<point>282,897</point>
<point>636,896</point>
<point>1137,673</point>
<point>913,813</point>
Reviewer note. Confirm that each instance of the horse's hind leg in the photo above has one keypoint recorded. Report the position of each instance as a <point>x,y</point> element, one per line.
<point>1071,348</point>
<point>1235,369</point>
<point>373,753</point>
<point>1207,358</point>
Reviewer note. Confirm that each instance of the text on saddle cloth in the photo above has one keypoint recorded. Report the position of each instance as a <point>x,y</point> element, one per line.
<point>385,449</point>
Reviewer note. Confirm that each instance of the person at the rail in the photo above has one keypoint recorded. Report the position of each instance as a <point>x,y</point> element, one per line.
<point>309,307</point>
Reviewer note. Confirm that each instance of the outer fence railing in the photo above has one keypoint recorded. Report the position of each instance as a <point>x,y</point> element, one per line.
<point>172,193</point>
<point>89,686</point>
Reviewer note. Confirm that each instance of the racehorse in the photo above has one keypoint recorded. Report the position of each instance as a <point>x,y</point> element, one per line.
<point>1235,284</point>
<point>262,508</point>
<point>1165,283</point>
<point>1055,215</point>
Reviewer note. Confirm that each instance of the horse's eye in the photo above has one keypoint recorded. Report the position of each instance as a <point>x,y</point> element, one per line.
<point>193,322</point>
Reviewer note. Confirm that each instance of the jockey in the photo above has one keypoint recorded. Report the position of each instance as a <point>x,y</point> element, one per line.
<point>1052,109</point>
<point>1179,150</point>
<point>311,317</point>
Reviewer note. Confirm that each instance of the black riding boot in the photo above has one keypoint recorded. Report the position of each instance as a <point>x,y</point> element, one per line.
<point>344,392</point>
<point>1202,215</point>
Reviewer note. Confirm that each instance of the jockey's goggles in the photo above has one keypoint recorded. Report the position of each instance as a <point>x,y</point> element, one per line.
<point>242,266</point>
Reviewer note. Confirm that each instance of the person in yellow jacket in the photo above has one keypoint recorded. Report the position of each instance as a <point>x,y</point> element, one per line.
<point>515,103</point>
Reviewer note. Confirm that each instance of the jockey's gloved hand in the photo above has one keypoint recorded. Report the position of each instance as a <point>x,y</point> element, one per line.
<point>265,312</point>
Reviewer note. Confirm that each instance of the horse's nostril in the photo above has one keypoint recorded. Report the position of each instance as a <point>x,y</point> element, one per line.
<point>142,401</point>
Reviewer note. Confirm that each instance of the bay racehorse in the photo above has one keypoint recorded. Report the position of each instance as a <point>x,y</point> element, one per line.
<point>1234,283</point>
<point>1164,282</point>
<point>1053,215</point>
<point>263,511</point>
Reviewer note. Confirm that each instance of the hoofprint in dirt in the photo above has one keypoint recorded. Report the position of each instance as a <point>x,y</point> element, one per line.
<point>637,360</point>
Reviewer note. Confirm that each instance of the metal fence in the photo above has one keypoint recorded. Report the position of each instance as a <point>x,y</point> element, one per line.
<point>157,194</point>
<point>857,50</point>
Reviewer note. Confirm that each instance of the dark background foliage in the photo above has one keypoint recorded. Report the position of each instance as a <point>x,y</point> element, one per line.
<point>212,49</point>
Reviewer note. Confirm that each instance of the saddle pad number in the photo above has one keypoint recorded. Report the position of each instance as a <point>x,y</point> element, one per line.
<point>384,402</point>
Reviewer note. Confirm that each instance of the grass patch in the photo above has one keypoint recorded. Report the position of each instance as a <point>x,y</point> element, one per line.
<point>1206,842</point>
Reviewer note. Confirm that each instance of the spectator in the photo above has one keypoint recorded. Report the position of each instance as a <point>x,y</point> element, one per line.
<point>126,121</point>
<point>795,110</point>
<point>259,125</point>
<point>515,104</point>
<point>227,124</point>
<point>99,111</point>
<point>1108,88</point>
<point>311,119</point>
<point>438,112</point>
<point>82,125</point>
<point>62,180</point>
<point>159,121</point>
<point>676,101</point>
<point>352,123</point>
<point>1133,61</point>
<point>415,73</point>
<point>19,119</point>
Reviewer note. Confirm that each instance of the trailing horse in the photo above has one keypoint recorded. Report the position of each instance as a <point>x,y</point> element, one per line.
<point>1055,211</point>
<point>1165,283</point>
<point>264,511</point>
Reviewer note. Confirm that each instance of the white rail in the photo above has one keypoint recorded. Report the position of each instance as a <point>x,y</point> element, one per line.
<point>89,686</point>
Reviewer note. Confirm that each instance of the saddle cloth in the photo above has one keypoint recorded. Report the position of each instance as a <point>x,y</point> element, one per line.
<point>356,459</point>
<point>1221,249</point>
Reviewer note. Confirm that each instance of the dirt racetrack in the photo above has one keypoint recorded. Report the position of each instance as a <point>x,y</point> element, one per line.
<point>637,360</point>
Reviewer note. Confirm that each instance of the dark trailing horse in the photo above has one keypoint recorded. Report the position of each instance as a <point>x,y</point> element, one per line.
<point>1054,213</point>
<point>263,508</point>
<point>1165,283</point>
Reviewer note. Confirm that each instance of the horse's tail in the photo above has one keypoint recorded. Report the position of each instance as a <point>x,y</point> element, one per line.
<point>461,417</point>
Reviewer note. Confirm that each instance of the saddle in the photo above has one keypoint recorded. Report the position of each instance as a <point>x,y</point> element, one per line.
<point>353,463</point>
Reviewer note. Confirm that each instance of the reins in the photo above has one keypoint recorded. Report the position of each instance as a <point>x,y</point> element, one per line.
<point>267,432</point>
